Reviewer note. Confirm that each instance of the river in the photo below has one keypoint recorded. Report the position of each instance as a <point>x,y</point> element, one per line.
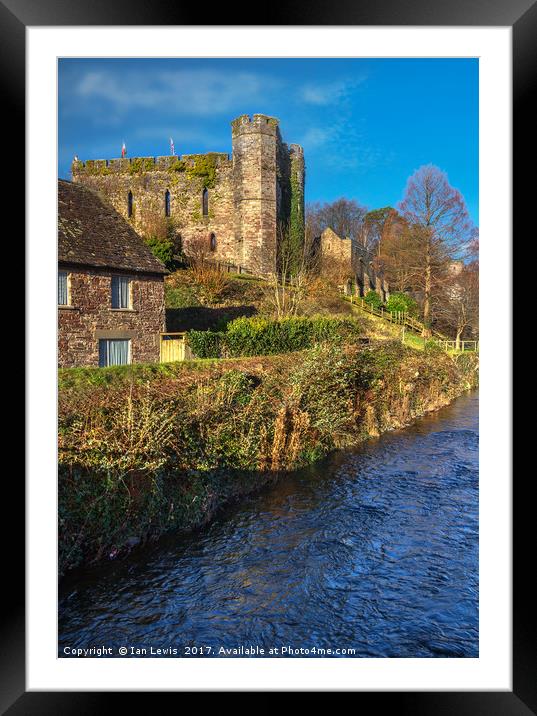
<point>372,551</point>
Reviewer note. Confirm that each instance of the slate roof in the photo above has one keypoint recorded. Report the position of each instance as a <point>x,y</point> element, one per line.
<point>92,233</point>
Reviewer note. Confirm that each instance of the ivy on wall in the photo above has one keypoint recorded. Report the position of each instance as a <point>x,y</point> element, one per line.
<point>94,168</point>
<point>201,166</point>
<point>296,218</point>
<point>139,165</point>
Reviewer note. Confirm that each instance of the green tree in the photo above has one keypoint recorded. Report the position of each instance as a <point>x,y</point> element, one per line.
<point>400,301</point>
<point>377,225</point>
<point>162,249</point>
<point>373,299</point>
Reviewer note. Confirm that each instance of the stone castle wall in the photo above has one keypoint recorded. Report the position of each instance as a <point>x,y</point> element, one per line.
<point>248,196</point>
<point>357,261</point>
<point>185,178</point>
<point>89,317</point>
<point>333,247</point>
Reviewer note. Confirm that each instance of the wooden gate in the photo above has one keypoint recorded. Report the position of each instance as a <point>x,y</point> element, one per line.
<point>172,347</point>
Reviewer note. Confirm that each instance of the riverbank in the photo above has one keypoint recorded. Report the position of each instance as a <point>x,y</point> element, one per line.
<point>373,550</point>
<point>145,452</point>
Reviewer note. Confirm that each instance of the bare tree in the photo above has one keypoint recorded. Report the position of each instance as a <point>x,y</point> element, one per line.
<point>440,227</point>
<point>472,252</point>
<point>378,226</point>
<point>400,258</point>
<point>288,285</point>
<point>459,307</point>
<point>206,275</point>
<point>344,216</point>
<point>335,271</point>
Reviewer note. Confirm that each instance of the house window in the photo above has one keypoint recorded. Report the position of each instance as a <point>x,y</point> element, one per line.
<point>205,202</point>
<point>212,242</point>
<point>129,204</point>
<point>114,352</point>
<point>167,207</point>
<point>121,292</point>
<point>63,292</point>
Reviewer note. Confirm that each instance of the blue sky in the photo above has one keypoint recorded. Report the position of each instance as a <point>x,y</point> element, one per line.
<point>365,124</point>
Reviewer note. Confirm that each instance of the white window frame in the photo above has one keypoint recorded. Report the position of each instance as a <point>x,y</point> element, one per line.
<point>67,288</point>
<point>129,302</point>
<point>129,350</point>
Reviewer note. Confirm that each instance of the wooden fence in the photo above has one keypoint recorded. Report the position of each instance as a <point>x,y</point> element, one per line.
<point>463,346</point>
<point>227,267</point>
<point>404,319</point>
<point>174,347</point>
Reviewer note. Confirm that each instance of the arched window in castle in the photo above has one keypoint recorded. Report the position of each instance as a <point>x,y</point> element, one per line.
<point>167,205</point>
<point>205,203</point>
<point>129,204</point>
<point>212,242</point>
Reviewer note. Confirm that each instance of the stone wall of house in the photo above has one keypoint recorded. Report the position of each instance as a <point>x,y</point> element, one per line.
<point>248,195</point>
<point>89,317</point>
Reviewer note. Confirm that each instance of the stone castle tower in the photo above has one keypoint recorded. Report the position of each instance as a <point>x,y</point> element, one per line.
<point>234,210</point>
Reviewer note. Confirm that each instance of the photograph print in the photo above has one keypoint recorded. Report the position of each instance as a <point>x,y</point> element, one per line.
<point>268,358</point>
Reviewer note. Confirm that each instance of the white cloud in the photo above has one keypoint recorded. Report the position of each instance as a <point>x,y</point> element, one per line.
<point>192,92</point>
<point>315,137</point>
<point>328,93</point>
<point>343,146</point>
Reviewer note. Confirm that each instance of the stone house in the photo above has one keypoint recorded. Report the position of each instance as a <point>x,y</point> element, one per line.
<point>232,206</point>
<point>110,286</point>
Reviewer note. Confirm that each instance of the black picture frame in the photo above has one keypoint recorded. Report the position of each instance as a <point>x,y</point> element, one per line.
<point>521,15</point>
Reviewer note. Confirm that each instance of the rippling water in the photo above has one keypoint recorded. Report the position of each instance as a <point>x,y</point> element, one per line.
<point>374,550</point>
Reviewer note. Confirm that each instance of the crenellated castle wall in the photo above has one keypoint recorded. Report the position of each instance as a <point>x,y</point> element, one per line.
<point>233,206</point>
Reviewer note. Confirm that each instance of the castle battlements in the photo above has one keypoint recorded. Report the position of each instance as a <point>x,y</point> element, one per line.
<point>135,165</point>
<point>231,206</point>
<point>257,124</point>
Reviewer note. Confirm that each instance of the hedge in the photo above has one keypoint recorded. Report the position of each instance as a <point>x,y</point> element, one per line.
<point>263,336</point>
<point>206,344</point>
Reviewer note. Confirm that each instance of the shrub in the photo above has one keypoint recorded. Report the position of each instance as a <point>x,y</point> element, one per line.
<point>263,336</point>
<point>400,301</point>
<point>206,344</point>
<point>141,457</point>
<point>325,385</point>
<point>373,299</point>
<point>162,249</point>
<point>432,346</point>
<point>209,283</point>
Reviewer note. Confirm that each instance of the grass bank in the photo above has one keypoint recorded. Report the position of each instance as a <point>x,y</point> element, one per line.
<point>147,449</point>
